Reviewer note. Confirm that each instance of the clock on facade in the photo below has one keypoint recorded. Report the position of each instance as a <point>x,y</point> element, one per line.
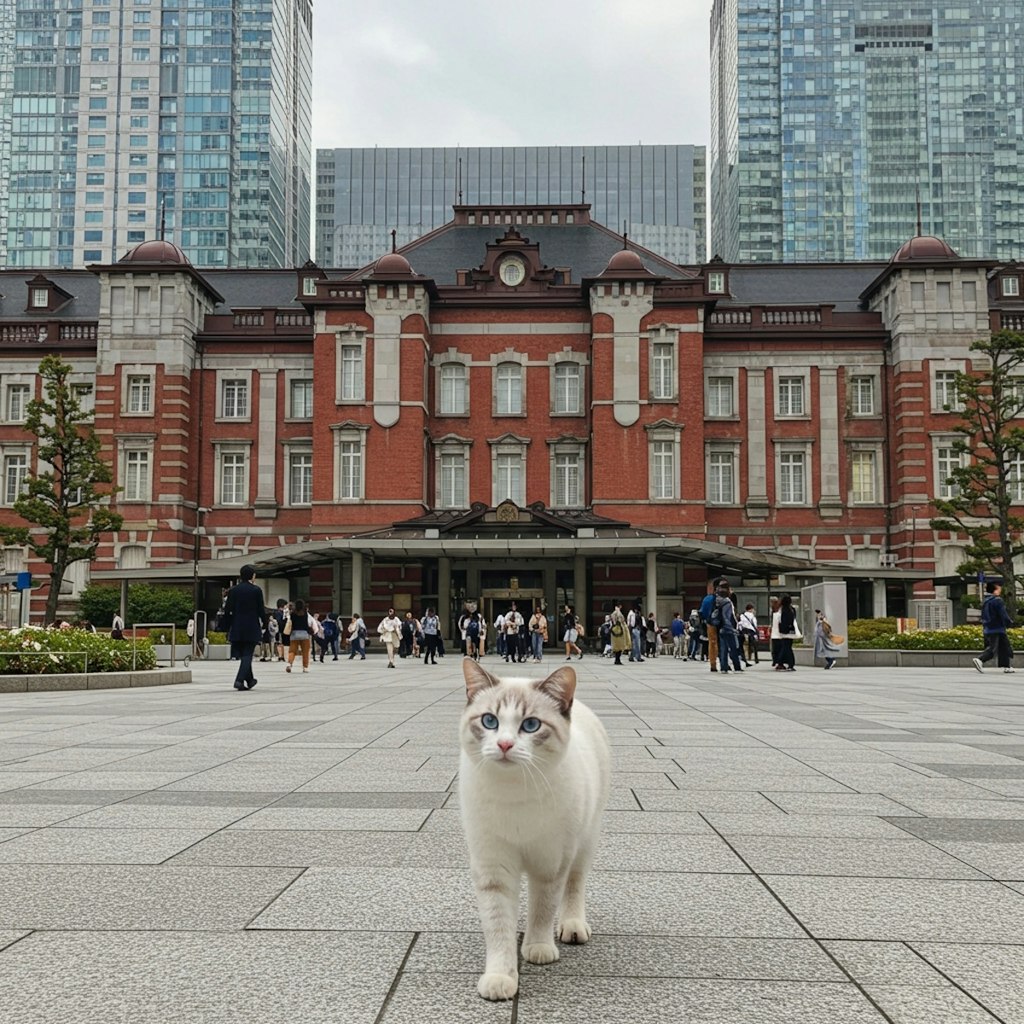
<point>512,271</point>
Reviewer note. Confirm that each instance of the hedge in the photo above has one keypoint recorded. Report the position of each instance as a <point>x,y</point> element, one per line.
<point>33,651</point>
<point>959,638</point>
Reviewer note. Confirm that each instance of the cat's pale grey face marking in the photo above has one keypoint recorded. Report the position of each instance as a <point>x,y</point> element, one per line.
<point>516,721</point>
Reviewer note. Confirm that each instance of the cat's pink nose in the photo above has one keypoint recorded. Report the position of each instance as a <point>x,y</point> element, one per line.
<point>506,745</point>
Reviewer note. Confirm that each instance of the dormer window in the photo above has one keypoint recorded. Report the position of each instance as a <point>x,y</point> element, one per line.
<point>309,286</point>
<point>40,298</point>
<point>1010,286</point>
<point>716,282</point>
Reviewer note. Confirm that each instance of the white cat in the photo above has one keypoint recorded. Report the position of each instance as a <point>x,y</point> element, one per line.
<point>533,783</point>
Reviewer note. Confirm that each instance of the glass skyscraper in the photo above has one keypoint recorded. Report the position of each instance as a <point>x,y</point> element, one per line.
<point>125,119</point>
<point>659,192</point>
<point>834,121</point>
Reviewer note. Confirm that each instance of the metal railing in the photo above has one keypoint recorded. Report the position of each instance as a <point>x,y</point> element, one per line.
<point>154,625</point>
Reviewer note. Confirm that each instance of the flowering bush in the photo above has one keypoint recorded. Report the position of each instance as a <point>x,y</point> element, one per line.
<point>33,651</point>
<point>959,638</point>
<point>858,631</point>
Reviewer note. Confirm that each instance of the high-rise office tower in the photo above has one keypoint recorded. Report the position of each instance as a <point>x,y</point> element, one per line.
<point>124,119</point>
<point>658,192</point>
<point>833,119</point>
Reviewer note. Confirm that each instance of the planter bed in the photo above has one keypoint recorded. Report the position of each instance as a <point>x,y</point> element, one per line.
<point>889,658</point>
<point>93,680</point>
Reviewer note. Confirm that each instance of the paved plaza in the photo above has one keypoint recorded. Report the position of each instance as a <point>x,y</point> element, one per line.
<point>814,847</point>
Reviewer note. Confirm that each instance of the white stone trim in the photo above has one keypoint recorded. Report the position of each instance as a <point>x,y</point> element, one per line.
<point>223,376</point>
<point>354,336</point>
<point>222,447</point>
<point>662,334</point>
<point>349,433</point>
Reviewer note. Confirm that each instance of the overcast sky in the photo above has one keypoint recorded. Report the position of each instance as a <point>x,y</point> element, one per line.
<point>517,72</point>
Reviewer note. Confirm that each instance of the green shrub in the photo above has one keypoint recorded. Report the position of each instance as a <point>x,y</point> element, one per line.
<point>32,651</point>
<point>146,603</point>
<point>959,638</point>
<point>213,637</point>
<point>859,631</point>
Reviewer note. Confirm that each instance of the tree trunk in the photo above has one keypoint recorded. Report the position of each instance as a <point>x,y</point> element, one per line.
<point>56,579</point>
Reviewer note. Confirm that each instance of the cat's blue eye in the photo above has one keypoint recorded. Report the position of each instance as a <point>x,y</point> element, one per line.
<point>489,721</point>
<point>530,724</point>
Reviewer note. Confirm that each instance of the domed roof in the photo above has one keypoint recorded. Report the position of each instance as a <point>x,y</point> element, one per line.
<point>926,248</point>
<point>155,251</point>
<point>625,260</point>
<point>394,264</point>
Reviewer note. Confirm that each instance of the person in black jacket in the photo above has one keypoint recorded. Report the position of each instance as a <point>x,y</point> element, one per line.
<point>994,622</point>
<point>248,615</point>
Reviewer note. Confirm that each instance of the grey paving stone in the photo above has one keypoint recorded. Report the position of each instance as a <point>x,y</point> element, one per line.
<point>142,816</point>
<point>9,937</point>
<point>214,798</point>
<point>103,780</point>
<point>980,771</point>
<point>370,781</point>
<point>704,853</point>
<point>1004,861</point>
<point>77,897</point>
<point>655,823</point>
<point>16,780</point>
<point>329,849</point>
<point>882,858</point>
<point>11,833</point>
<point>357,819</point>
<point>885,963</point>
<point>307,798</point>
<point>840,826</point>
<point>647,957</point>
<point>34,815</point>
<point>904,1004</point>
<point>975,830</point>
<point>94,798</point>
<point>903,910</point>
<point>703,800</point>
<point>990,973</point>
<point>549,999</point>
<point>438,997</point>
<point>98,846</point>
<point>959,808</point>
<point>426,900</point>
<point>838,803</point>
<point>152,978</point>
<point>702,778</point>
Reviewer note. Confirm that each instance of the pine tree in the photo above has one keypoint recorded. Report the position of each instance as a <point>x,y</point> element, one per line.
<point>989,483</point>
<point>67,503</point>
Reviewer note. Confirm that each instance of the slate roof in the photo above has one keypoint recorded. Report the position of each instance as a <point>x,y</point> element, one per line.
<point>253,289</point>
<point>82,284</point>
<point>584,248</point>
<point>801,284</point>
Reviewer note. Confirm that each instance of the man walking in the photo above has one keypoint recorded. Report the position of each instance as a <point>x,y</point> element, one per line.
<point>994,622</point>
<point>678,629</point>
<point>244,606</point>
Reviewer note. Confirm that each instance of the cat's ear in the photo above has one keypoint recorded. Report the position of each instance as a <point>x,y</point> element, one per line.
<point>560,685</point>
<point>477,678</point>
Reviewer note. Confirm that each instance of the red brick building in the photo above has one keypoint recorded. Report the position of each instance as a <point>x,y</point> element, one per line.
<point>519,405</point>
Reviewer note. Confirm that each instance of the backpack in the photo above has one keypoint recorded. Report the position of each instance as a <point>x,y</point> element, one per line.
<point>473,629</point>
<point>715,618</point>
<point>329,628</point>
<point>272,626</point>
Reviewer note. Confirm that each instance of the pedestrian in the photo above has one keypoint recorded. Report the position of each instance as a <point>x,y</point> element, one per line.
<point>728,630</point>
<point>538,633</point>
<point>620,638</point>
<point>331,631</point>
<point>513,627</point>
<point>117,627</point>
<point>788,631</point>
<point>357,637</point>
<point>694,628</point>
<point>499,636</point>
<point>463,624</point>
<point>246,615</point>
<point>994,622</point>
<point>707,606</point>
<point>408,635</point>
<point>604,636</point>
<point>300,635</point>
<point>280,614</point>
<point>652,636</point>
<point>748,635</point>
<point>431,634</point>
<point>637,627</point>
<point>825,645</point>
<point>678,630</point>
<point>774,605</point>
<point>269,639</point>
<point>570,633</point>
<point>474,635</point>
<point>390,632</point>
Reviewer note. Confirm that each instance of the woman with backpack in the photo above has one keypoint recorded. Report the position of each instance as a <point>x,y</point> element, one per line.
<point>357,637</point>
<point>474,628</point>
<point>538,634</point>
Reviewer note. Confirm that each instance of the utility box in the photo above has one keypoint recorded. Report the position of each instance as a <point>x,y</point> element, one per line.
<point>831,599</point>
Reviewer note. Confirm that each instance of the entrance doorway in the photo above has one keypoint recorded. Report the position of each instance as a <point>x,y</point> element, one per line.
<point>495,602</point>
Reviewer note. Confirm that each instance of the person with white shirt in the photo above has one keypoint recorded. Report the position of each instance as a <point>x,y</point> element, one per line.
<point>748,635</point>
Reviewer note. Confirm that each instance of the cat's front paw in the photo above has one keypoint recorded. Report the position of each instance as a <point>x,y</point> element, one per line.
<point>540,952</point>
<point>497,986</point>
<point>574,930</point>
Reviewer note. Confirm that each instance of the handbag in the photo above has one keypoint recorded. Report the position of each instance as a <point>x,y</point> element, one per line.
<point>837,638</point>
<point>617,629</point>
<point>288,626</point>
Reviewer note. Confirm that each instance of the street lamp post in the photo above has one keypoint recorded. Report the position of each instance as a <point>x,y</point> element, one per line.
<point>197,534</point>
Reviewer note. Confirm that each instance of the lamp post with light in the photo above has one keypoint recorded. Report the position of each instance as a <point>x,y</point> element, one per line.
<point>197,534</point>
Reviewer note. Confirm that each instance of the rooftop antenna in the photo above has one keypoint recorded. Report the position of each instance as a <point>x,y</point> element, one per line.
<point>917,192</point>
<point>459,181</point>
<point>394,244</point>
<point>163,218</point>
<point>625,237</point>
<point>583,190</point>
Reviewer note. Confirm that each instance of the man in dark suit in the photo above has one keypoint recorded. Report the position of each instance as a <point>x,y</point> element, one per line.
<point>248,614</point>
